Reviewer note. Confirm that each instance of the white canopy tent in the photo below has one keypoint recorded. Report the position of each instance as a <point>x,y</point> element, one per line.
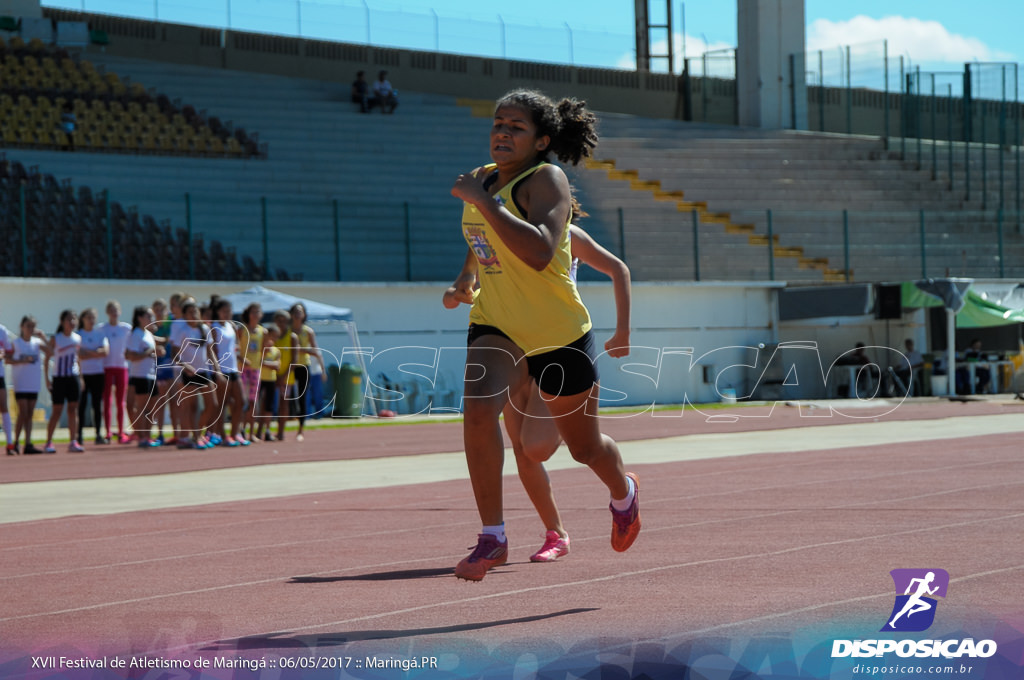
<point>317,314</point>
<point>271,300</point>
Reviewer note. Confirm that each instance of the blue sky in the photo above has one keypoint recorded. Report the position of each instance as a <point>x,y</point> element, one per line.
<point>931,33</point>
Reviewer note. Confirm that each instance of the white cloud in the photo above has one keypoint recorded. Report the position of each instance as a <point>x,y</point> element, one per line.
<point>922,40</point>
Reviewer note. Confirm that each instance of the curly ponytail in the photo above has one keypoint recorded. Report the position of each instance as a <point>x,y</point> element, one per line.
<point>570,125</point>
<point>577,137</point>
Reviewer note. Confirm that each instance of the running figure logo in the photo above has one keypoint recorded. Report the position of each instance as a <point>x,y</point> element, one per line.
<point>914,610</point>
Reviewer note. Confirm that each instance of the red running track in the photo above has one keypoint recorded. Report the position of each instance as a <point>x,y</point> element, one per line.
<point>732,546</point>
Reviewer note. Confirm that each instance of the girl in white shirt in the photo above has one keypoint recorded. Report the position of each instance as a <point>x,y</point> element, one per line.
<point>141,352</point>
<point>92,356</point>
<point>29,352</point>
<point>5,349</point>
<point>63,347</point>
<point>196,358</point>
<point>115,370</point>
<point>226,347</point>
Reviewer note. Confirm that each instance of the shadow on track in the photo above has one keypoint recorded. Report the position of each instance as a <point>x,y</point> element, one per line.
<point>284,641</point>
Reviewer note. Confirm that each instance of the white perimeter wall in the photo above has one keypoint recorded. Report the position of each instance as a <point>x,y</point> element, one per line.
<point>407,335</point>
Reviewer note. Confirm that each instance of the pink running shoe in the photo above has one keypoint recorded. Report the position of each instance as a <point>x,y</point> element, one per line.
<point>75,447</point>
<point>554,547</point>
<point>489,553</point>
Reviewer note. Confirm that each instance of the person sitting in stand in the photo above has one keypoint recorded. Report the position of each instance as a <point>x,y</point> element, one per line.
<point>384,95</point>
<point>361,92</point>
<point>982,374</point>
<point>868,370</point>
<point>910,372</point>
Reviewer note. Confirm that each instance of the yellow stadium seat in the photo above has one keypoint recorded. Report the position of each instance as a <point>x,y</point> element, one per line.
<point>95,140</point>
<point>115,141</point>
<point>27,136</point>
<point>131,142</point>
<point>60,138</point>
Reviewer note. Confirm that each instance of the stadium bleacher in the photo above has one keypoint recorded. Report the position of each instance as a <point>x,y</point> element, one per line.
<point>365,197</point>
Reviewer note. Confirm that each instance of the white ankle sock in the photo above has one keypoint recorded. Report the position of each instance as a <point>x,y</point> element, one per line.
<point>623,504</point>
<point>7,427</point>
<point>498,531</point>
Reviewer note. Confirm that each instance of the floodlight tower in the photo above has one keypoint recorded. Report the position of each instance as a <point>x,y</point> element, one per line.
<point>644,27</point>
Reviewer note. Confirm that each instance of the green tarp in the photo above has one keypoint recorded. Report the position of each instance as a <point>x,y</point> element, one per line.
<point>977,312</point>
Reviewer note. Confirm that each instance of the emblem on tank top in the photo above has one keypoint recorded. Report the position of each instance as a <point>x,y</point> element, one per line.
<point>483,250</point>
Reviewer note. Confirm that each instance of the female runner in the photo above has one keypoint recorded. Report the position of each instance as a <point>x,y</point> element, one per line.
<point>528,320</point>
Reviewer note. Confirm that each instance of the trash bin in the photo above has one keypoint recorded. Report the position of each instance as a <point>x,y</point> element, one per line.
<point>348,392</point>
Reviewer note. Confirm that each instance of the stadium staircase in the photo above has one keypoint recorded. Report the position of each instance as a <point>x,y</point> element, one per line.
<point>732,177</point>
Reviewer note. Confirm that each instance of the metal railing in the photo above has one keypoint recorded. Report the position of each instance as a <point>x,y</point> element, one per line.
<point>349,240</point>
<point>489,34</point>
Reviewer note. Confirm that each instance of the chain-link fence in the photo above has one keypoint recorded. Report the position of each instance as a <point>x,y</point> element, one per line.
<point>487,34</point>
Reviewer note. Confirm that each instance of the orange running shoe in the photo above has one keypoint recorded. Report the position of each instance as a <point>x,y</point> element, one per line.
<point>626,524</point>
<point>489,553</point>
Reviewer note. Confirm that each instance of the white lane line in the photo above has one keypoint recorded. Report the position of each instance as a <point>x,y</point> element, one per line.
<point>611,577</point>
<point>811,608</point>
<point>660,501</point>
<point>25,501</point>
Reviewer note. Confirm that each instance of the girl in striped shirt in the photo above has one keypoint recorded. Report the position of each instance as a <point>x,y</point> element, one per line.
<point>64,387</point>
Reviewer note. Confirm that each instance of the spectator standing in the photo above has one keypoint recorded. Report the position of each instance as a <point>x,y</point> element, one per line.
<point>92,356</point>
<point>68,124</point>
<point>5,348</point>
<point>266,397</point>
<point>29,350</point>
<point>197,359</point>
<point>308,354</point>
<point>141,351</point>
<point>225,340</point>
<point>288,343</point>
<point>63,348</point>
<point>251,342</point>
<point>115,370</point>
<point>164,361</point>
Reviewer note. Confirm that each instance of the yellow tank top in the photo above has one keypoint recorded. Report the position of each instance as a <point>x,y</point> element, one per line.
<point>539,310</point>
<point>285,344</point>
<point>305,358</point>
<point>254,346</point>
<point>268,374</point>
